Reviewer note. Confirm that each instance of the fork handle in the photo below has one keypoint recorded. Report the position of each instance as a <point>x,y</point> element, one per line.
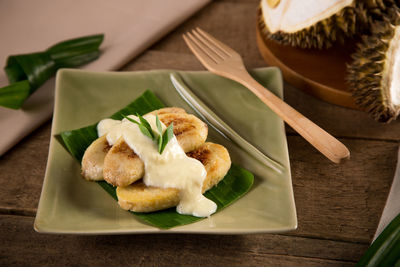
<point>328,145</point>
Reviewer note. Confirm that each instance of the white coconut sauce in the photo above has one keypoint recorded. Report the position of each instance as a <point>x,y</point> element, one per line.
<point>172,168</point>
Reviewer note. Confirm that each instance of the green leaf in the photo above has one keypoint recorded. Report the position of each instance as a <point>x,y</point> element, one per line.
<point>76,52</point>
<point>167,135</point>
<point>76,140</point>
<point>160,136</point>
<point>142,127</point>
<point>14,95</point>
<point>36,68</point>
<point>85,42</point>
<point>14,72</point>
<point>146,131</point>
<point>131,120</point>
<point>385,250</point>
<point>158,124</point>
<point>235,184</point>
<point>160,143</point>
<point>145,127</point>
<point>78,60</point>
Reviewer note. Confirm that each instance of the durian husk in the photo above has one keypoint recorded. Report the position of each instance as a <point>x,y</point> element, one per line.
<point>375,10</point>
<point>336,28</point>
<point>350,21</point>
<point>366,73</point>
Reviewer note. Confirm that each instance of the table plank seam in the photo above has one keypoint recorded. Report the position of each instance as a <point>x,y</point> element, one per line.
<point>305,257</point>
<point>355,138</point>
<point>325,239</point>
<point>18,211</point>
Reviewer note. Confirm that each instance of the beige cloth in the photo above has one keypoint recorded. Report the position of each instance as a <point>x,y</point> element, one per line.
<point>130,26</point>
<point>392,207</point>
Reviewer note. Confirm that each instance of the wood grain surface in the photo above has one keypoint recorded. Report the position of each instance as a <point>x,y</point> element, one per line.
<point>338,205</point>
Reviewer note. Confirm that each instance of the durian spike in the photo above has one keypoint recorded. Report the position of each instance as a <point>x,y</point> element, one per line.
<point>374,74</point>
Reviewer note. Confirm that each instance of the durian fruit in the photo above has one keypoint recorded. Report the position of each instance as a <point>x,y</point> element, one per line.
<point>319,23</point>
<point>309,23</point>
<point>374,74</point>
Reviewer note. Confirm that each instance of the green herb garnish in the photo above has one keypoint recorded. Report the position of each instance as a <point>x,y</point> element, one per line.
<point>145,128</point>
<point>131,120</point>
<point>166,136</point>
<point>162,139</point>
<point>28,72</point>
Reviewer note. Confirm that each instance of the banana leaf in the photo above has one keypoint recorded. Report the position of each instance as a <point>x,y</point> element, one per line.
<point>234,185</point>
<point>27,72</point>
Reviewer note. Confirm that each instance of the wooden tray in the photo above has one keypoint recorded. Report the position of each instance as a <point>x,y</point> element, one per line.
<point>320,73</point>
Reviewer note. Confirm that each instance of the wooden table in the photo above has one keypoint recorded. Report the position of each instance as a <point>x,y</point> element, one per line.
<point>338,206</point>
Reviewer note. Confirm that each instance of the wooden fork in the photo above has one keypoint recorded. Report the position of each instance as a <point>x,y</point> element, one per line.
<point>224,61</point>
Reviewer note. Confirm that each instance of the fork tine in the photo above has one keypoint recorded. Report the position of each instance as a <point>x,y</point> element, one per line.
<point>207,51</point>
<point>210,45</point>
<point>200,54</point>
<point>226,49</point>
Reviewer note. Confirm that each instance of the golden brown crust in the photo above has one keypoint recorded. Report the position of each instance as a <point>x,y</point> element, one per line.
<point>141,198</point>
<point>189,130</point>
<point>93,159</point>
<point>216,161</point>
<point>167,110</point>
<point>122,166</point>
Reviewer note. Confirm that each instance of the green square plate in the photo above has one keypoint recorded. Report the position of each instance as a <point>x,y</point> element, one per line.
<point>69,204</point>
